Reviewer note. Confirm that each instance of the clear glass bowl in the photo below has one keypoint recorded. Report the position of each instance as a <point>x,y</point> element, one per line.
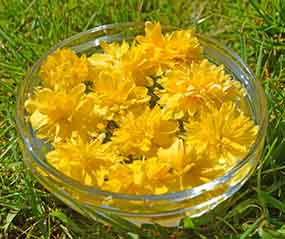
<point>166,209</point>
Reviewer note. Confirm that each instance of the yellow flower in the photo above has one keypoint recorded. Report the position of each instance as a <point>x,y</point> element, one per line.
<point>182,45</point>
<point>116,50</point>
<point>224,135</point>
<point>153,36</point>
<point>180,161</point>
<point>114,93</point>
<point>189,168</point>
<point>137,168</point>
<point>144,133</point>
<point>88,119</point>
<point>136,63</point>
<point>119,179</point>
<point>200,86</point>
<point>170,50</point>
<point>149,176</point>
<point>51,111</point>
<point>130,60</point>
<point>158,175</point>
<point>63,69</point>
<point>79,160</point>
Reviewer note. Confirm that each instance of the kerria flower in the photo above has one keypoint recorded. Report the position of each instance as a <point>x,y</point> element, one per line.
<point>88,120</point>
<point>51,111</point>
<point>224,135</point>
<point>158,175</point>
<point>116,178</point>
<point>131,60</point>
<point>110,58</point>
<point>114,93</point>
<point>185,164</point>
<point>136,62</point>
<point>180,160</point>
<point>125,178</point>
<point>202,85</point>
<point>149,176</point>
<point>79,160</point>
<point>189,168</point>
<point>143,134</point>
<point>171,49</point>
<point>63,69</point>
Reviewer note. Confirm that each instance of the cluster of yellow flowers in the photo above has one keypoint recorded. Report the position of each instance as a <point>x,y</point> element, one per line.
<point>147,117</point>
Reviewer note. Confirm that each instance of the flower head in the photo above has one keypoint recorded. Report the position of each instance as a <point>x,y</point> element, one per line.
<point>114,93</point>
<point>131,60</point>
<point>188,167</point>
<point>201,86</point>
<point>88,120</point>
<point>57,115</point>
<point>143,134</point>
<point>117,178</point>
<point>51,111</point>
<point>158,175</point>
<point>224,135</point>
<point>79,160</point>
<point>180,160</point>
<point>63,69</point>
<point>149,176</point>
<point>171,49</point>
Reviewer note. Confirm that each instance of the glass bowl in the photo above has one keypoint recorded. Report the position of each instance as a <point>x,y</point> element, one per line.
<point>166,209</point>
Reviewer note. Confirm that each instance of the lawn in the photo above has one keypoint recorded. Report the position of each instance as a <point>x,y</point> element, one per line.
<point>254,29</point>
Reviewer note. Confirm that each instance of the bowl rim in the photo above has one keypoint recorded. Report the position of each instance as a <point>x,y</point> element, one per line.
<point>23,126</point>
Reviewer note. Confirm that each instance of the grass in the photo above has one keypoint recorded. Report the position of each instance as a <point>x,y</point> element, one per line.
<point>254,29</point>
